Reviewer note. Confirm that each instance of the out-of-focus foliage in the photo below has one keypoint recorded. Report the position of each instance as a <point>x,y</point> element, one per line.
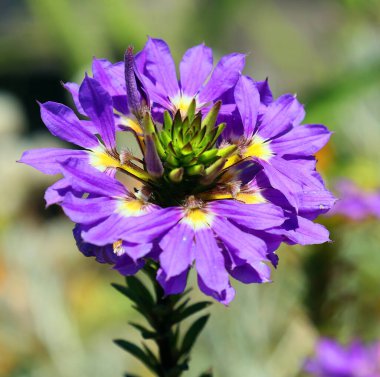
<point>58,313</point>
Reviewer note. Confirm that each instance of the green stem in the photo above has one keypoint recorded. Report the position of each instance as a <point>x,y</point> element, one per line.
<point>164,315</point>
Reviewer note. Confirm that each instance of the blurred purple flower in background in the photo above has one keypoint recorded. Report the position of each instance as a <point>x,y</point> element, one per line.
<point>354,360</point>
<point>354,202</point>
<point>226,173</point>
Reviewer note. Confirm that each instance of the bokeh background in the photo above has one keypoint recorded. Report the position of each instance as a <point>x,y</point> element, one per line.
<point>58,312</point>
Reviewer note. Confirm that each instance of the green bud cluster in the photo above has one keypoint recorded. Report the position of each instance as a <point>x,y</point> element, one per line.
<point>186,146</point>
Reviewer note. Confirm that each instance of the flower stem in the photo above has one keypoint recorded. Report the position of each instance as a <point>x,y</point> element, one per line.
<point>164,315</point>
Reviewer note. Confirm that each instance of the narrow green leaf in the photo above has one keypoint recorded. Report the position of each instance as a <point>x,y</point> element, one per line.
<point>193,333</point>
<point>206,374</point>
<point>146,333</point>
<point>137,352</point>
<point>190,310</point>
<point>140,290</point>
<point>126,292</point>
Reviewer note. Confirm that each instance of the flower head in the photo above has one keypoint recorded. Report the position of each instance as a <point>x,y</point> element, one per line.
<point>221,182</point>
<point>355,360</point>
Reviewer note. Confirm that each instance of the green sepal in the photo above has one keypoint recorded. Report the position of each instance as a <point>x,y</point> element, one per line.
<point>160,149</point>
<point>199,136</point>
<point>165,137</point>
<point>187,149</point>
<point>208,156</point>
<point>176,175</point>
<point>227,151</point>
<point>168,121</point>
<point>195,170</point>
<point>191,110</point>
<point>211,137</point>
<point>188,160</point>
<point>176,131</point>
<point>172,161</point>
<point>210,119</point>
<point>213,171</point>
<point>148,124</point>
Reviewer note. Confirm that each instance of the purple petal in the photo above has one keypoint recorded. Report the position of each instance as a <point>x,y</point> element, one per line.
<point>174,285</point>
<point>88,179</point>
<point>73,88</point>
<point>210,264</point>
<point>111,78</point>
<point>248,274</point>
<point>48,160</point>
<point>108,231</point>
<point>280,116</point>
<point>302,140</point>
<point>246,246</point>
<point>315,202</point>
<point>289,177</point>
<point>103,254</point>
<point>63,123</point>
<point>56,192</point>
<point>160,65</point>
<point>127,266</point>
<point>97,104</point>
<point>147,227</point>
<point>177,250</point>
<point>225,76</point>
<point>194,69</point>
<point>266,96</point>
<point>87,211</point>
<point>248,101</point>
<point>135,251</point>
<point>224,297</point>
<point>308,233</point>
<point>252,216</point>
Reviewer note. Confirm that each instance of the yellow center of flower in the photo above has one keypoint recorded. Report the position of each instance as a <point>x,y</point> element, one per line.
<point>258,148</point>
<point>101,160</point>
<point>251,198</point>
<point>197,218</point>
<point>131,207</point>
<point>182,103</point>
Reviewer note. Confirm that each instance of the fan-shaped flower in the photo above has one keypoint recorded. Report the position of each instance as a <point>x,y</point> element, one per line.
<point>204,198</point>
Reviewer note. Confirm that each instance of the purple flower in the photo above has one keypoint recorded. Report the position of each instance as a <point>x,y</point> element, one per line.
<point>207,195</point>
<point>355,203</point>
<point>269,133</point>
<point>198,79</point>
<point>354,360</point>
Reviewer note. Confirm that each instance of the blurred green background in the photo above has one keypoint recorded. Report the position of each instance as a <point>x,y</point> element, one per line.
<point>58,313</point>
